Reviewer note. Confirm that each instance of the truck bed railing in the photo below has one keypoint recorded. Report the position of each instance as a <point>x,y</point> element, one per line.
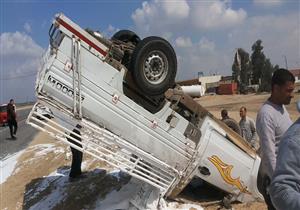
<point>105,146</point>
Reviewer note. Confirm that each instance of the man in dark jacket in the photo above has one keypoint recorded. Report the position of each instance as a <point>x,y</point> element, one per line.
<point>76,154</point>
<point>11,118</point>
<point>231,123</point>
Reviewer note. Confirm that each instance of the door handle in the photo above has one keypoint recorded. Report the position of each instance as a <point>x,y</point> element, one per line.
<point>203,170</point>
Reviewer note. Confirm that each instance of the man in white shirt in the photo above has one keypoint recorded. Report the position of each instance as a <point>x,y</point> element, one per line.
<point>271,123</point>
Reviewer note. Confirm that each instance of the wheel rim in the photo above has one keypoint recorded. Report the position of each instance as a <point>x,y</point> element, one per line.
<point>155,67</point>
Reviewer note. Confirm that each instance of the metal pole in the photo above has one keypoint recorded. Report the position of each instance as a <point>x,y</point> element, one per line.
<point>79,78</point>
<point>74,65</point>
<point>286,65</point>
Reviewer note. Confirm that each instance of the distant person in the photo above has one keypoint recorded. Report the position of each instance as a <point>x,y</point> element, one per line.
<point>12,118</point>
<point>224,114</point>
<point>231,123</point>
<point>75,171</point>
<point>285,186</point>
<point>271,123</point>
<point>248,130</point>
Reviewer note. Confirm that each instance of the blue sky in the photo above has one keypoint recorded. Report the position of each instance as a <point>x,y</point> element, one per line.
<point>39,14</point>
<point>204,34</point>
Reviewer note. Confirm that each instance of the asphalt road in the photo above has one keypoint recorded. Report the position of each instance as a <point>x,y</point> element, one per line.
<point>25,135</point>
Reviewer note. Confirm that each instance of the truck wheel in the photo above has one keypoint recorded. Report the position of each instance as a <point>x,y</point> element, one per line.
<point>231,123</point>
<point>126,36</point>
<point>154,65</point>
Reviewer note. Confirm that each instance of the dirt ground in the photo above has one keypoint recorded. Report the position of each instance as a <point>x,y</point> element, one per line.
<point>215,103</point>
<point>41,158</point>
<point>29,168</point>
<point>33,165</point>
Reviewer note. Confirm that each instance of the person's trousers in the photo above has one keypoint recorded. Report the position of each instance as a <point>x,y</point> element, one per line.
<point>263,183</point>
<point>76,163</point>
<point>13,127</point>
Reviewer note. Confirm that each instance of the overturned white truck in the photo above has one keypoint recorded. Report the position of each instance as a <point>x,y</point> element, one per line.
<point>133,117</point>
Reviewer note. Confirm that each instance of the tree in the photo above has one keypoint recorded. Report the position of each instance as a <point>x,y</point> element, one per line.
<point>258,61</point>
<point>266,76</point>
<point>257,70</point>
<point>241,69</point>
<point>262,67</point>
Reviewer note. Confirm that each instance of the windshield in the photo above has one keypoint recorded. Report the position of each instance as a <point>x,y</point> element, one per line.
<point>56,36</point>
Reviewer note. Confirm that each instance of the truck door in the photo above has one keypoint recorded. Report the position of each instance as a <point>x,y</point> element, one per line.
<point>222,163</point>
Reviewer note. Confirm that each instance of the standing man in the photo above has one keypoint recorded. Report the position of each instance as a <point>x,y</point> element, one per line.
<point>247,126</point>
<point>272,122</point>
<point>231,123</point>
<point>76,154</point>
<point>224,114</point>
<point>11,118</point>
<point>285,186</point>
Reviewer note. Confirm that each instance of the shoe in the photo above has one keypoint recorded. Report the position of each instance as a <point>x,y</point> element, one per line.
<point>73,179</point>
<point>77,177</point>
<point>82,176</point>
<point>13,137</point>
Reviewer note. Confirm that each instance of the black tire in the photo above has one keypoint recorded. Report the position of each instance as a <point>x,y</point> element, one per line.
<point>126,36</point>
<point>154,65</point>
<point>231,123</point>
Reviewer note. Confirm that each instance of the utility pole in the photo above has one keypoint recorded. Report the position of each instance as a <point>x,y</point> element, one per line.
<point>286,65</point>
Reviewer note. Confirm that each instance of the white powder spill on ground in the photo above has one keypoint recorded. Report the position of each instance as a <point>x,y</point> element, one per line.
<point>116,199</point>
<point>44,149</point>
<point>8,165</point>
<point>176,206</point>
<point>51,191</point>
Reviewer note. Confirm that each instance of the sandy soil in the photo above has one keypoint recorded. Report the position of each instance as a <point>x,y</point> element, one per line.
<point>215,103</point>
<point>42,157</point>
<point>45,155</point>
<point>29,168</point>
